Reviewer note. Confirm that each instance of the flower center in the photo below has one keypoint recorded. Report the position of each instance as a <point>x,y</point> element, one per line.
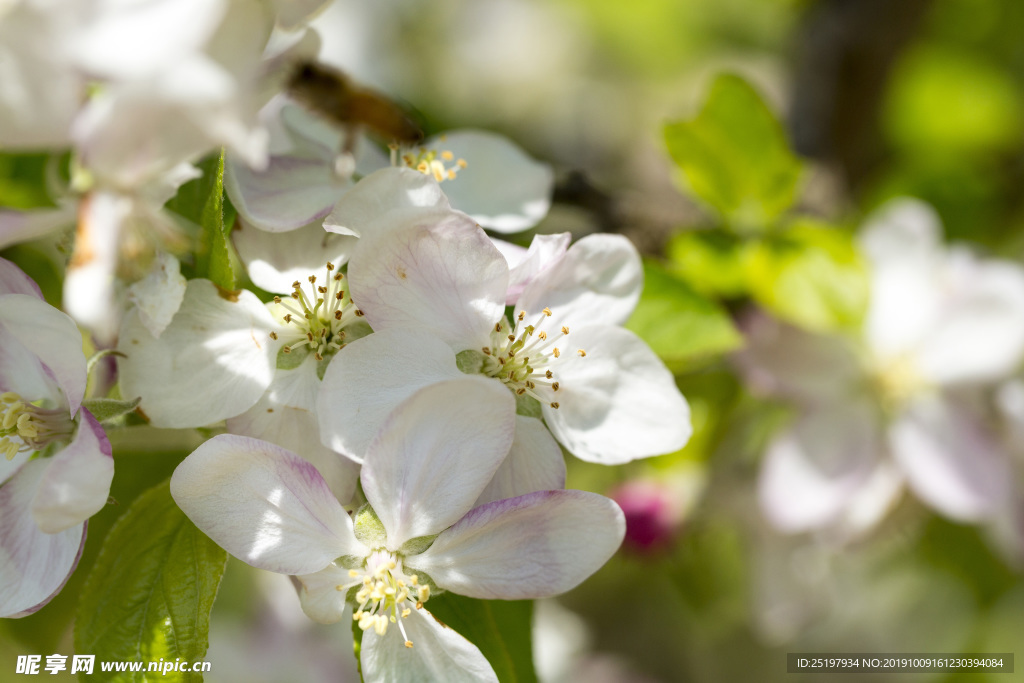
<point>386,593</point>
<point>442,164</point>
<point>523,356</point>
<point>27,427</point>
<point>896,382</point>
<point>317,319</point>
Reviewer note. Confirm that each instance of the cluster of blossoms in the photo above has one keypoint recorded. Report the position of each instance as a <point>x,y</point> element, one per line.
<point>907,403</point>
<point>393,419</point>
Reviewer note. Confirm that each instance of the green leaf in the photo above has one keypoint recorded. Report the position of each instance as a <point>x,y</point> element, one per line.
<point>201,202</point>
<point>500,628</point>
<point>150,593</point>
<point>734,155</point>
<point>811,275</point>
<point>710,261</point>
<point>104,409</point>
<point>678,323</point>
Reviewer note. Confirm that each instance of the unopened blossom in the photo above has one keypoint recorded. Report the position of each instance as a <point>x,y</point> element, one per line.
<point>434,287</point>
<point>418,534</point>
<point>900,403</point>
<point>55,460</point>
<point>258,366</point>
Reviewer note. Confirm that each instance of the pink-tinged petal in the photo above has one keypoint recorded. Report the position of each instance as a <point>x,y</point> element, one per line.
<point>979,334</point>
<point>597,281</point>
<point>52,337</point>
<point>22,226</point>
<point>534,546</point>
<point>22,372</point>
<point>784,360</point>
<point>320,598</point>
<point>949,460</point>
<point>369,207</point>
<point>812,471</point>
<point>527,264</point>
<point>435,454</point>
<point>213,361</point>
<point>441,275</point>
<point>76,484</point>
<point>90,287</point>
<point>873,500</point>
<point>293,191</point>
<point>264,505</point>
<point>438,654</point>
<point>535,463</point>
<point>158,296</point>
<point>9,467</point>
<point>13,280</point>
<point>618,402</point>
<point>33,566</point>
<point>501,187</point>
<point>370,377</point>
<point>276,260</point>
<point>285,415</point>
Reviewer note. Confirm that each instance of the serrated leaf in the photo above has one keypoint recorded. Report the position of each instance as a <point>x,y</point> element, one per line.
<point>104,409</point>
<point>150,593</point>
<point>678,323</point>
<point>734,156</point>
<point>810,275</point>
<point>500,628</point>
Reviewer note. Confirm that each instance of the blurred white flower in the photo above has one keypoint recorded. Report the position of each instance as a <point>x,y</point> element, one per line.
<point>898,404</point>
<point>57,464</point>
<point>418,534</point>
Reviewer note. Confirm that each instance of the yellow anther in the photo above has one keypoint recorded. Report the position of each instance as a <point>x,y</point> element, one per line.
<point>547,311</point>
<point>447,155</point>
<point>554,405</point>
<point>565,329</point>
<point>581,352</point>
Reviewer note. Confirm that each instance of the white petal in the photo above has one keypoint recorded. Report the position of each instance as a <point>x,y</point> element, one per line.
<point>276,260</point>
<point>501,187</point>
<point>873,500</point>
<point>949,460</point>
<point>618,403</point>
<point>901,231</point>
<point>438,654</point>
<point>52,337</point>
<point>535,463</point>
<point>435,454</point>
<point>213,361</point>
<point>535,546</point>
<point>813,470</point>
<point>292,191</point>
<point>22,226</point>
<point>368,207</point>
<point>33,566</point>
<point>22,372</point>
<point>526,264</point>
<point>294,13</point>
<point>76,484</point>
<point>784,360</point>
<point>90,287</point>
<point>598,280</point>
<point>285,415</point>
<point>159,295</point>
<point>155,34</point>
<point>321,600</point>
<point>440,275</point>
<point>264,505</point>
<point>370,377</point>
<point>979,334</point>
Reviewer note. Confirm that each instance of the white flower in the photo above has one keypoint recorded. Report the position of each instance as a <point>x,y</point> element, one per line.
<point>483,174</point>
<point>899,404</point>
<point>228,357</point>
<point>44,500</point>
<point>418,534</point>
<point>434,288</point>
